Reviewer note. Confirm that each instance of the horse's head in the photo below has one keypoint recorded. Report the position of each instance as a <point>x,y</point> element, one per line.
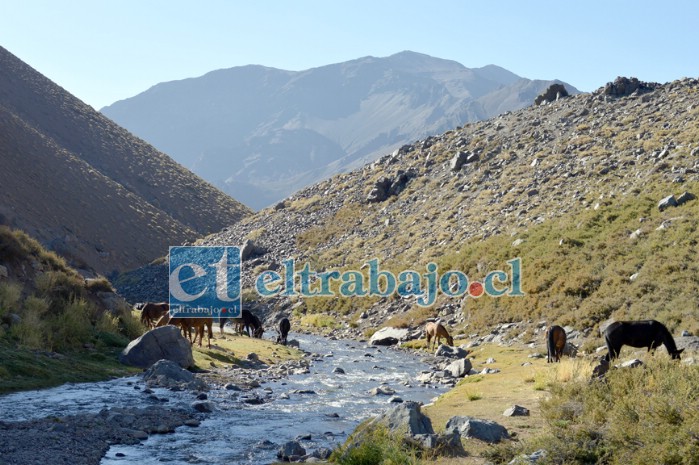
<point>676,354</point>
<point>450,340</point>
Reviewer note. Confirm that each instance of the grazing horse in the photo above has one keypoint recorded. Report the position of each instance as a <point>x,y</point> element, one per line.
<point>284,327</point>
<point>199,324</point>
<point>151,313</point>
<point>555,343</point>
<point>186,325</point>
<point>244,324</point>
<point>644,333</point>
<point>437,331</point>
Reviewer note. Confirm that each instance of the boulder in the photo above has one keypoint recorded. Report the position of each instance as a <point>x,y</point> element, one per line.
<point>685,197</point>
<point>452,352</point>
<point>379,192</point>
<point>553,93</point>
<point>405,418</point>
<point>459,368</point>
<point>291,450</point>
<point>484,430</point>
<point>3,271</point>
<point>166,373</point>
<point>161,343</point>
<point>249,250</point>
<point>623,86</point>
<point>460,159</point>
<point>667,202</point>
<point>382,391</point>
<point>448,444</point>
<point>388,336</point>
<point>516,411</point>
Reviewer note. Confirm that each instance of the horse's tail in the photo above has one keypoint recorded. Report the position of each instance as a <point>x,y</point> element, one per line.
<point>549,344</point>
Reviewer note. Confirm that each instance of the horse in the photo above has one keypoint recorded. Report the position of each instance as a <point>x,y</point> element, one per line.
<point>437,331</point>
<point>186,325</point>
<point>199,324</point>
<point>643,333</point>
<point>284,327</point>
<point>555,343</point>
<point>151,312</point>
<point>245,323</point>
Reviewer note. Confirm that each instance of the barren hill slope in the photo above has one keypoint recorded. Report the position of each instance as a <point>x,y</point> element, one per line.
<point>571,187</point>
<point>86,187</point>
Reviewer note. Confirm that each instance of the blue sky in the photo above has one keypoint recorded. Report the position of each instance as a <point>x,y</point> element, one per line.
<point>106,50</point>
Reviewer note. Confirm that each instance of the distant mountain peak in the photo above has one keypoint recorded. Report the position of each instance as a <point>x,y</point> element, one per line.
<point>227,125</point>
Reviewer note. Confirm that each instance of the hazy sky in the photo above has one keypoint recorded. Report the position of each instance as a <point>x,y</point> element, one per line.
<point>107,50</point>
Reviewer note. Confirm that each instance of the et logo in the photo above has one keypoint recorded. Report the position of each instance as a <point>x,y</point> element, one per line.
<point>205,282</point>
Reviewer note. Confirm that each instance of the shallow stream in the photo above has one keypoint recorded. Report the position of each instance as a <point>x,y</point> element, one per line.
<point>239,433</point>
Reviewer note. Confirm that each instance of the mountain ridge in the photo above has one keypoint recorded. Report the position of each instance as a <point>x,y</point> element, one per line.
<point>86,187</point>
<point>261,133</point>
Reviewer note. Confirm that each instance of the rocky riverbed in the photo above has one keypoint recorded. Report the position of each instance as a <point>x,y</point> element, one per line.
<point>246,414</point>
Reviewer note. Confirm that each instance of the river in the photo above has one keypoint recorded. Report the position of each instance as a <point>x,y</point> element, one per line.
<point>239,433</point>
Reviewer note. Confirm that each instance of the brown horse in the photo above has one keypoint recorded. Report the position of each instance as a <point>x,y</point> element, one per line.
<point>199,324</point>
<point>555,343</point>
<point>437,331</point>
<point>186,325</point>
<point>151,313</point>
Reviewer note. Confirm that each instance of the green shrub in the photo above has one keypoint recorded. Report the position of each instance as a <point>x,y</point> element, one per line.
<point>72,327</point>
<point>10,295</point>
<point>33,330</point>
<point>376,447</point>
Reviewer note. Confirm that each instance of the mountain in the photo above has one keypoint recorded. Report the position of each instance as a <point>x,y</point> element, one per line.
<point>89,189</point>
<point>262,133</point>
<point>594,193</point>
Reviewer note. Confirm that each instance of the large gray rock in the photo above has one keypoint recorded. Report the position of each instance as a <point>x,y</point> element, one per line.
<point>459,368</point>
<point>406,418</point>
<point>460,159</point>
<point>166,373</point>
<point>484,430</point>
<point>452,352</point>
<point>291,450</point>
<point>553,93</point>
<point>161,343</point>
<point>667,202</point>
<point>388,336</point>
<point>448,444</point>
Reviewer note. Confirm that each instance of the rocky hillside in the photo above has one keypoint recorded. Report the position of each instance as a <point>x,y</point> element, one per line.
<point>89,189</point>
<point>261,134</point>
<point>572,187</point>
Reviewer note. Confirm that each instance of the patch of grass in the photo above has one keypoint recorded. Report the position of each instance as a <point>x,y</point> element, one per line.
<point>377,448</point>
<point>23,369</point>
<point>318,320</point>
<point>641,415</point>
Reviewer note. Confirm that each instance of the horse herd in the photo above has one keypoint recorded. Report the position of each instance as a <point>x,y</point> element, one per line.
<point>154,315</point>
<point>644,333</point>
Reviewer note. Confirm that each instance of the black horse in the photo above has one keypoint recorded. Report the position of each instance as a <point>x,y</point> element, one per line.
<point>555,343</point>
<point>645,333</point>
<point>284,327</point>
